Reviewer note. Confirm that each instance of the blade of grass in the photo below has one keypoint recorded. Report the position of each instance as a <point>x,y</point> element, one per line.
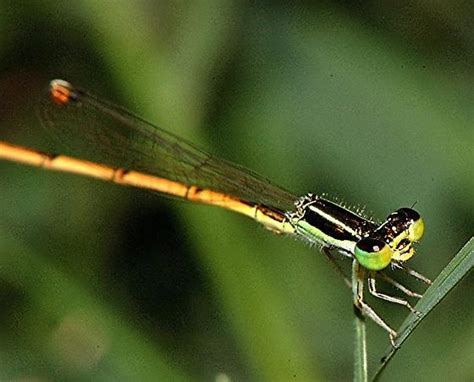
<point>450,276</point>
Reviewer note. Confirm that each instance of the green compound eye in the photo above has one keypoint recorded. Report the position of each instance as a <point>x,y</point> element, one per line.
<point>416,225</point>
<point>373,254</point>
<point>416,230</point>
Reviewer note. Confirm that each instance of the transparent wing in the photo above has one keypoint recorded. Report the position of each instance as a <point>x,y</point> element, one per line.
<point>97,130</point>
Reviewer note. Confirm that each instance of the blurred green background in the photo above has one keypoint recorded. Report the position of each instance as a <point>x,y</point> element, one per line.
<point>370,102</point>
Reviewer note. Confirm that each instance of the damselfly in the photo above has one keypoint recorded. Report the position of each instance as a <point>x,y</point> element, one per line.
<point>141,155</point>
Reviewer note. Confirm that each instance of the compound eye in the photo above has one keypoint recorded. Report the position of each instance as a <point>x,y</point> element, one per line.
<point>417,229</point>
<point>416,225</point>
<point>408,213</point>
<point>373,254</point>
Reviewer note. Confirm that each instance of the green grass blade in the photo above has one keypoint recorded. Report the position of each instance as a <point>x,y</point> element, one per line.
<point>450,276</point>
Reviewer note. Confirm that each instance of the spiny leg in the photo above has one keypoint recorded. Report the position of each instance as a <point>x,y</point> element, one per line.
<point>358,275</point>
<point>336,266</point>
<point>413,273</point>
<point>397,300</point>
<point>399,286</point>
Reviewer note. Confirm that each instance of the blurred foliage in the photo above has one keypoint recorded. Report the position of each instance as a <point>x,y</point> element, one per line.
<point>371,102</point>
